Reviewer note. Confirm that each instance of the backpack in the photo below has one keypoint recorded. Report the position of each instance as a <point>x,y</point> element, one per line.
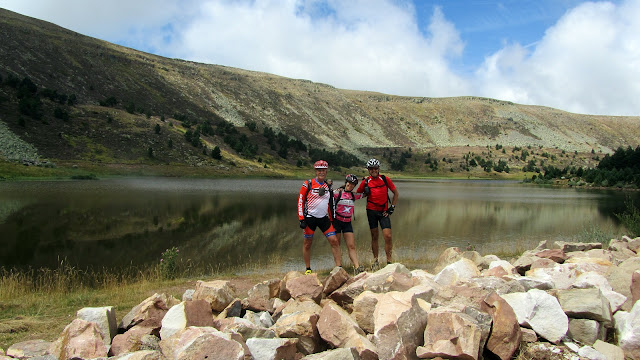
<point>335,203</point>
<point>384,178</point>
<point>331,202</point>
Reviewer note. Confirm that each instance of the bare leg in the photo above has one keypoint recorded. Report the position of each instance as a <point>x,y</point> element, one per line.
<point>388,245</point>
<point>350,239</point>
<point>306,251</point>
<point>374,243</point>
<point>335,249</point>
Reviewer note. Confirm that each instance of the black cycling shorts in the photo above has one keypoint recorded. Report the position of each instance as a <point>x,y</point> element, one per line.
<point>342,227</point>
<point>376,217</point>
<point>323,223</point>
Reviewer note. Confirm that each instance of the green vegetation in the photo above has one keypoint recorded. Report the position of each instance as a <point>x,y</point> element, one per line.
<point>630,218</point>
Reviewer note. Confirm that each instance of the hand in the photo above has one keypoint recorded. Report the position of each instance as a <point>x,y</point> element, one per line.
<point>391,209</point>
<point>303,224</point>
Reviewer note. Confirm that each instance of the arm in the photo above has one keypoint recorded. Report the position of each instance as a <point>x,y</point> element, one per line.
<point>301,201</point>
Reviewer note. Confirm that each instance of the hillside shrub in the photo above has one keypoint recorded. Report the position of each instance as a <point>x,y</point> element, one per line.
<point>630,218</point>
<point>109,102</point>
<point>215,153</point>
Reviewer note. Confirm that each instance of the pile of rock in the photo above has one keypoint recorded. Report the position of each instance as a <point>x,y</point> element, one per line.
<point>559,301</point>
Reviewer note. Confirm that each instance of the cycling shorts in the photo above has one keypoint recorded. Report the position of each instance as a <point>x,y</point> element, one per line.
<point>342,227</point>
<point>376,217</point>
<point>323,223</point>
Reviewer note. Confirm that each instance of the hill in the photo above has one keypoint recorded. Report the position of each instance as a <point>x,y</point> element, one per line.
<point>77,100</point>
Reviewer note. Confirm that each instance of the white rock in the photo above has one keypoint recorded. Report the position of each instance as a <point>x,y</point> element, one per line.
<point>105,317</point>
<point>541,312</point>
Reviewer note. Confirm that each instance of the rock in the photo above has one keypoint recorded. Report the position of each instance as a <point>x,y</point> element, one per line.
<point>259,295</point>
<point>339,330</point>
<point>590,353</point>
<point>610,351</point>
<point>301,325</point>
<point>105,317</point>
<point>523,263</point>
<point>150,342</point>
<point>244,327</point>
<point>567,247</point>
<point>28,349</point>
<point>543,263</point>
<point>585,304</point>
<point>620,279</point>
<point>262,319</point>
<point>188,294</point>
<point>505,334</point>
<point>399,322</point>
<point>345,295</point>
<point>541,312</point>
<point>82,339</point>
<point>140,355</point>
<point>272,349</point>
<point>461,270</point>
<point>154,307</point>
<point>131,340</point>
<point>363,306</point>
<point>218,293</point>
<point>336,354</point>
<point>486,261</point>
<point>635,286</point>
<point>634,245</point>
<point>450,335</point>
<point>447,257</point>
<point>203,343</point>
<point>307,286</point>
<point>187,313</point>
<point>529,283</point>
<point>528,335</point>
<point>336,278</point>
<point>629,332</point>
<point>234,309</point>
<point>505,265</point>
<point>586,331</point>
<point>284,292</point>
<point>555,255</point>
<point>561,275</point>
<point>384,281</point>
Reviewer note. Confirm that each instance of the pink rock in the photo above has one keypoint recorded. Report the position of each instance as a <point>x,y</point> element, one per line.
<point>131,340</point>
<point>81,339</point>
<point>307,286</point>
<point>635,286</point>
<point>218,293</point>
<point>505,333</point>
<point>556,255</point>
<point>203,343</point>
<point>336,278</point>
<point>27,349</point>
<point>338,329</point>
<point>153,307</point>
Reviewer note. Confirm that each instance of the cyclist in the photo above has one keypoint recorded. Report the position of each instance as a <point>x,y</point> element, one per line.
<point>344,205</point>
<point>314,211</point>
<point>376,188</point>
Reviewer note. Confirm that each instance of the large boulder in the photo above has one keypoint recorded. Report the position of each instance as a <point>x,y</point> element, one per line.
<point>345,295</point>
<point>152,308</point>
<point>300,321</point>
<point>259,296</point>
<point>336,278</point>
<point>363,306</point>
<point>80,339</point>
<point>628,328</point>
<point>460,271</point>
<point>541,312</point>
<point>505,334</point>
<point>620,278</point>
<point>187,313</point>
<point>339,330</point>
<point>244,327</point>
<point>132,339</point>
<point>447,257</point>
<point>307,286</point>
<point>272,349</point>
<point>399,322</point>
<point>105,317</point>
<point>203,343</point>
<point>28,349</point>
<point>218,293</point>
<point>585,304</point>
<point>450,335</point>
<point>586,331</point>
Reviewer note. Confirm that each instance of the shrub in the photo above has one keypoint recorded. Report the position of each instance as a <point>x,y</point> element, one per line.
<point>630,218</point>
<point>215,153</point>
<point>157,128</point>
<point>110,101</point>
<point>169,263</point>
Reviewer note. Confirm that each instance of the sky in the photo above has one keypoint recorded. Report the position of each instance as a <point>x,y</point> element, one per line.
<point>577,56</point>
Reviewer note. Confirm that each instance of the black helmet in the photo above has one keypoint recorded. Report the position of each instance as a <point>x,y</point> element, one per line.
<point>352,179</point>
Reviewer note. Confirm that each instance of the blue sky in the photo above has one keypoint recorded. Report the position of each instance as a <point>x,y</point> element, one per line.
<point>578,56</point>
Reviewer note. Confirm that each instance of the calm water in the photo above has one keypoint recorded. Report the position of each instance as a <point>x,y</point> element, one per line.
<point>252,224</point>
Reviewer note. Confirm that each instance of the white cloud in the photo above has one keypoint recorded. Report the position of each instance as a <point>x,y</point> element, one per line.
<point>367,45</point>
<point>588,62</point>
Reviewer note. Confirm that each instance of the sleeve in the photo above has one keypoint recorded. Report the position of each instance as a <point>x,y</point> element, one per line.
<point>301,201</point>
<point>358,196</point>
<point>391,185</point>
<point>361,186</point>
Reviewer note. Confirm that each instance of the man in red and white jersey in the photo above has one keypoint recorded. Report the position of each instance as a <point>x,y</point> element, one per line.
<point>376,188</point>
<point>314,211</point>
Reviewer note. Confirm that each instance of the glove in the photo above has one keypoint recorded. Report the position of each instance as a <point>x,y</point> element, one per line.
<point>391,209</point>
<point>303,224</point>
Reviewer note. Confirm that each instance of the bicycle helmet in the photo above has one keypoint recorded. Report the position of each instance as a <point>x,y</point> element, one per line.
<point>321,164</point>
<point>372,163</point>
<point>352,179</point>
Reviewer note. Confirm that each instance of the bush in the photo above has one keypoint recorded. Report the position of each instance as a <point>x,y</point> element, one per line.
<point>169,263</point>
<point>157,128</point>
<point>630,218</point>
<point>215,153</point>
<point>110,101</point>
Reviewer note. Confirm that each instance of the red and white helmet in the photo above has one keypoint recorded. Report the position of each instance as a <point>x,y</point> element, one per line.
<point>321,164</point>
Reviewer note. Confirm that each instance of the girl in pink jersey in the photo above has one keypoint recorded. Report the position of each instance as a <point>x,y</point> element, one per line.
<point>344,200</point>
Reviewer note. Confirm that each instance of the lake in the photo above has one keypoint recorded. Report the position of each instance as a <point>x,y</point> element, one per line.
<point>249,225</point>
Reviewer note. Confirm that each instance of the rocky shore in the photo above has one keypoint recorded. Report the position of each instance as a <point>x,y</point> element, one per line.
<point>559,301</point>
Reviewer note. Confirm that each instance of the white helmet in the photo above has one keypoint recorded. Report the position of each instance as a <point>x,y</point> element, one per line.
<point>373,163</point>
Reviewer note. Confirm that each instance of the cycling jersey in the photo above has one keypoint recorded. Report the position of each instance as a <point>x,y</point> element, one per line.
<point>310,203</point>
<point>378,198</point>
<point>345,204</point>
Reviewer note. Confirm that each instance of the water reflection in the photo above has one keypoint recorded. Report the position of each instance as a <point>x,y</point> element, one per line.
<point>219,224</point>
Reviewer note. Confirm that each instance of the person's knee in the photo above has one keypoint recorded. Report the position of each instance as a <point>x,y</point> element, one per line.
<point>307,244</point>
<point>333,241</point>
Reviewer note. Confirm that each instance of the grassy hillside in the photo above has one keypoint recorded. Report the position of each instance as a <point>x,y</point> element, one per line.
<point>83,103</point>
